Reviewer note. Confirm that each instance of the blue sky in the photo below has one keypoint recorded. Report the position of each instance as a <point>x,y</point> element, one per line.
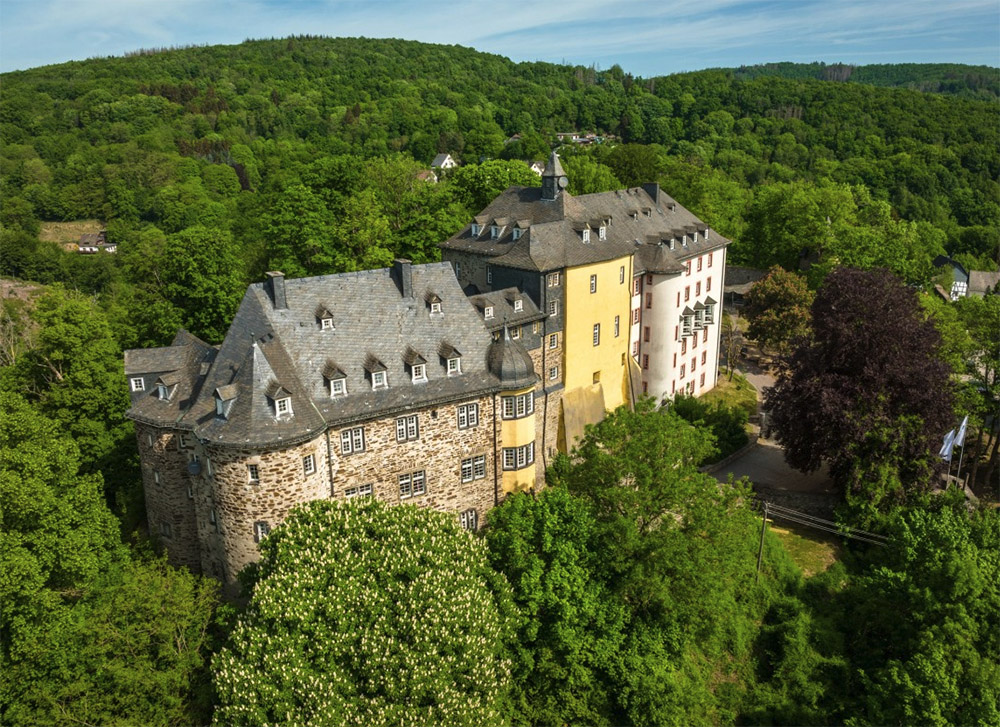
<point>645,38</point>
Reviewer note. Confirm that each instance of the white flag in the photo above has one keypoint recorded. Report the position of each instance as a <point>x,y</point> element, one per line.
<point>960,437</point>
<point>948,446</point>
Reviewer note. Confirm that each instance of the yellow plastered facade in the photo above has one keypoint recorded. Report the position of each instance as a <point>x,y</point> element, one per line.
<point>584,310</point>
<point>516,433</point>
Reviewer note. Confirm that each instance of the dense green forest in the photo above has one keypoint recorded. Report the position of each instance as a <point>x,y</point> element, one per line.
<point>608,605</point>
<point>981,82</point>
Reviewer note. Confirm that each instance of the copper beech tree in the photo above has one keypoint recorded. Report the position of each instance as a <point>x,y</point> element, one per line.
<point>868,393</point>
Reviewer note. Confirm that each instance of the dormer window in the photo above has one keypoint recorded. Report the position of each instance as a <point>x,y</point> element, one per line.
<point>476,229</point>
<point>517,233</point>
<point>433,303</point>
<point>224,398</point>
<point>163,392</point>
<point>488,312</point>
<point>454,366</point>
<point>694,236</point>
<point>435,308</point>
<point>518,305</point>
<point>220,408</point>
<point>379,380</point>
<point>283,407</point>
<point>602,232</point>
<point>495,231</point>
<point>337,379</point>
<point>417,365</point>
<point>586,235</point>
<point>138,383</point>
<point>325,318</point>
<point>419,373</point>
<point>338,387</point>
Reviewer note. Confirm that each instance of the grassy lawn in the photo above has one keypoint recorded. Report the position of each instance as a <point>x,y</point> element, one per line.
<point>810,550</point>
<point>736,393</point>
<point>67,232</point>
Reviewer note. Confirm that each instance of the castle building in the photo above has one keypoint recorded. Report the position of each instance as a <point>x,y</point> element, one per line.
<point>447,385</point>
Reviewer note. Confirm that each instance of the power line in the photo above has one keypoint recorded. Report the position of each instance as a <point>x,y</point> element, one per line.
<point>816,523</point>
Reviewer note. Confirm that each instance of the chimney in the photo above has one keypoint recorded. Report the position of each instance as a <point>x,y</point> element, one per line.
<point>404,276</point>
<point>653,190</point>
<point>276,287</point>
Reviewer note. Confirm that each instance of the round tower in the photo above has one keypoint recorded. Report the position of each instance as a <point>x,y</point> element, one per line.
<point>511,364</point>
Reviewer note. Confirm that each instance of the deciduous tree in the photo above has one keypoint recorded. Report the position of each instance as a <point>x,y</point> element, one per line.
<point>368,614</point>
<point>777,308</point>
<point>868,393</point>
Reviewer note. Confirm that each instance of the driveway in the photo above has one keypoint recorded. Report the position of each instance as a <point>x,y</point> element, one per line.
<point>765,464</point>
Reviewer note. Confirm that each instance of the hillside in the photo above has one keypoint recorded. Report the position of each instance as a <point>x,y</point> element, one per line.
<point>956,79</point>
<point>302,152</point>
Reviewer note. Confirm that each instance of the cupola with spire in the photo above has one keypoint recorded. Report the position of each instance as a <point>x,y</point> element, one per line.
<point>554,179</point>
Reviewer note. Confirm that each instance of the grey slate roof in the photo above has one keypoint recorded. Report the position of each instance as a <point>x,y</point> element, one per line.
<point>510,363</point>
<point>503,308</point>
<point>981,281</point>
<point>178,365</point>
<point>376,327</point>
<point>554,238</point>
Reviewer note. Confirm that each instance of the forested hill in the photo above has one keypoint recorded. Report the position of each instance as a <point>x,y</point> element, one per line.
<point>302,152</point>
<point>982,82</point>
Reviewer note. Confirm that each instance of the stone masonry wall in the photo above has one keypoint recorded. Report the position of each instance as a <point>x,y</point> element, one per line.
<point>170,509</point>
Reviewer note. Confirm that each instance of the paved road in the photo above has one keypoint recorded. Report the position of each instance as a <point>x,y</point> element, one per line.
<point>765,463</point>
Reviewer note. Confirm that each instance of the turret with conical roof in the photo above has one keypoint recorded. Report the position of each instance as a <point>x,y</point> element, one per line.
<point>553,178</point>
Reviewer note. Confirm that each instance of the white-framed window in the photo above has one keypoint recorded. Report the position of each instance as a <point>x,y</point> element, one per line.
<point>338,387</point>
<point>635,316</point>
<point>359,491</point>
<point>553,373</point>
<point>220,408</point>
<point>535,327</point>
<point>699,257</point>
<point>407,428</point>
<point>553,340</point>
<point>515,332</point>
<point>260,530</point>
<point>617,325</point>
<point>636,283</point>
<point>326,324</point>
<point>515,458</point>
<point>710,313</point>
<point>309,464</point>
<point>517,233</point>
<point>352,440</point>
<point>495,231</point>
<point>709,255</point>
<point>602,232</point>
<point>163,392</point>
<point>283,407</point>
<point>469,519</point>
<point>553,307</point>
<point>515,407</point>
<point>473,468</point>
<point>138,383</point>
<point>597,334</point>
<point>621,275</point>
<point>489,268</point>
<point>476,229</point>
<point>253,474</point>
<point>488,312</point>
<point>635,348</point>
<point>454,366</point>
<point>412,483</point>
<point>458,269</point>
<point>518,305</point>
<point>380,380</point>
<point>593,283</point>
<point>468,415</point>
<point>586,235</point>
<point>149,439</point>
<point>553,279</point>
<point>419,373</point>
<point>435,308</point>
<point>156,476</point>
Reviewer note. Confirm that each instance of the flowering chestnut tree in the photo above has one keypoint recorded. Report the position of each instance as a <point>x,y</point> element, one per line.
<point>363,613</point>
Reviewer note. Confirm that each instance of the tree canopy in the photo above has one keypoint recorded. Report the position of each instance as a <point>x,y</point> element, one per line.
<point>363,613</point>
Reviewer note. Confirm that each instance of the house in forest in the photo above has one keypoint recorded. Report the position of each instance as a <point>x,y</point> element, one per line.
<point>444,161</point>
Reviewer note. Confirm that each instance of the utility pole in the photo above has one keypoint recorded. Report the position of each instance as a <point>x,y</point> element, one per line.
<point>760,551</point>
